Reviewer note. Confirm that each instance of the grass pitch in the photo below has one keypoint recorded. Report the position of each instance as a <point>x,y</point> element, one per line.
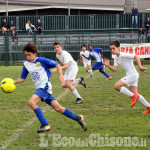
<point>106,111</point>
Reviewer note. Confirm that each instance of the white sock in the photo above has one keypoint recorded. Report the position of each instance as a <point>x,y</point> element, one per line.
<point>143,101</point>
<point>125,91</point>
<point>76,94</point>
<point>76,81</point>
<point>90,71</point>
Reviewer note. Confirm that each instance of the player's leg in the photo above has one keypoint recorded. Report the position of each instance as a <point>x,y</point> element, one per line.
<point>71,75</point>
<point>119,86</point>
<point>90,71</point>
<point>69,114</point>
<point>33,104</point>
<point>105,74</point>
<point>141,99</point>
<point>128,81</point>
<point>79,80</point>
<point>64,84</point>
<point>101,69</point>
<point>79,100</point>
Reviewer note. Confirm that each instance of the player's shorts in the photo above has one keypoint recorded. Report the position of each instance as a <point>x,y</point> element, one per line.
<point>97,66</point>
<point>71,74</point>
<point>87,64</point>
<point>131,81</point>
<point>46,96</point>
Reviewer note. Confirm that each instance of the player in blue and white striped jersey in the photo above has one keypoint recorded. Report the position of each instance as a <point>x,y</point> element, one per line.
<point>97,54</point>
<point>38,68</point>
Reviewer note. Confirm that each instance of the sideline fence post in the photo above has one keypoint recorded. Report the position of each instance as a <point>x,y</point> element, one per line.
<point>6,49</point>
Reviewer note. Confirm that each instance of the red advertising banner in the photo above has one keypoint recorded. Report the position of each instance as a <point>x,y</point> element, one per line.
<point>142,50</point>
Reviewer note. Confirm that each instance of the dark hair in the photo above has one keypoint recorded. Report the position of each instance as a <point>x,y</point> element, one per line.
<point>30,47</point>
<point>57,43</point>
<point>90,45</point>
<point>83,45</point>
<point>115,43</point>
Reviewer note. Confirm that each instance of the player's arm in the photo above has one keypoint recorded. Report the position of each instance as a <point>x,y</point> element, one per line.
<point>61,77</point>
<point>138,61</point>
<point>80,59</point>
<point>19,80</point>
<point>101,52</point>
<point>64,67</point>
<point>23,75</point>
<point>85,57</point>
<point>112,68</point>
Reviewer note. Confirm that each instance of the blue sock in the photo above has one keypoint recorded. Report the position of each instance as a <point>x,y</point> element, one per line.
<point>105,74</point>
<point>40,116</point>
<point>71,115</point>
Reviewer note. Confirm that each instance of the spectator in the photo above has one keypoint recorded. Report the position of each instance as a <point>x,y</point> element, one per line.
<point>12,27</point>
<point>29,27</point>
<point>14,36</point>
<point>4,26</point>
<point>147,24</point>
<point>134,16</point>
<point>148,36</point>
<point>141,35</point>
<point>39,26</point>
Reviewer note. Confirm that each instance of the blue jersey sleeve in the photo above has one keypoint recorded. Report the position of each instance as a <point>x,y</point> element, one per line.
<point>48,62</point>
<point>24,73</point>
<point>90,56</point>
<point>97,50</point>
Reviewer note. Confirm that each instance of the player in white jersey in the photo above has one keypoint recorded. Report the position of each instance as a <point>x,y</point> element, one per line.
<point>71,70</point>
<point>38,68</point>
<point>131,79</point>
<point>86,62</point>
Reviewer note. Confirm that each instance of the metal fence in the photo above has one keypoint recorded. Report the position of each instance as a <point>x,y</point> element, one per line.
<point>78,22</point>
<point>11,47</point>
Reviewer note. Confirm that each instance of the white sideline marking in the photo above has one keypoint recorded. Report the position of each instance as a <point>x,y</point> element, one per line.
<point>17,133</point>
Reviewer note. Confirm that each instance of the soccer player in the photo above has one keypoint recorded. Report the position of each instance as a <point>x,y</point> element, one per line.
<point>86,63</point>
<point>71,70</point>
<point>38,68</point>
<point>97,54</point>
<point>125,60</point>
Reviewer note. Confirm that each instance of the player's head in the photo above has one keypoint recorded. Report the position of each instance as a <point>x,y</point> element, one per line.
<point>30,51</point>
<point>57,47</point>
<point>90,47</point>
<point>83,47</point>
<point>115,47</point>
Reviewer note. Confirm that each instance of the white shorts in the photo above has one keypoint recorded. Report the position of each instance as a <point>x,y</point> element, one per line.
<point>87,64</point>
<point>71,73</point>
<point>131,81</point>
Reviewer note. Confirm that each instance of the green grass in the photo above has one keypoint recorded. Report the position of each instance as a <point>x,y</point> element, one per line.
<point>106,111</point>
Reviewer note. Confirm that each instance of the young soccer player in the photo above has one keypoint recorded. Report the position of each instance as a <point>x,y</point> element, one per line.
<point>38,68</point>
<point>71,68</point>
<point>86,63</point>
<point>97,54</point>
<point>131,79</point>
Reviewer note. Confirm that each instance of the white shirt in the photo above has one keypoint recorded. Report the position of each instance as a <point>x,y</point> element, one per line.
<point>86,53</point>
<point>66,58</point>
<point>125,60</point>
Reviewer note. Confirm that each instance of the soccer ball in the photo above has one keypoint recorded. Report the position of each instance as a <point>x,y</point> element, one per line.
<point>8,85</point>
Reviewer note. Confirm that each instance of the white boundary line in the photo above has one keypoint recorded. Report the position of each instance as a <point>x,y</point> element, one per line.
<point>18,132</point>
